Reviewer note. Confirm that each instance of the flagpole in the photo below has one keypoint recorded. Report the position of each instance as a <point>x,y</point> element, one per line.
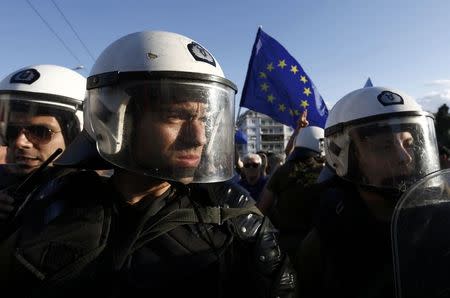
<point>250,62</point>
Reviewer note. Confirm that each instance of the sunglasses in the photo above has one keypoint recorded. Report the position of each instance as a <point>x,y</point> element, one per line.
<point>251,165</point>
<point>38,134</point>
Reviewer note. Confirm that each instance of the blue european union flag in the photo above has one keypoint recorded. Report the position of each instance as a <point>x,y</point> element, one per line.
<point>277,86</point>
<point>240,137</point>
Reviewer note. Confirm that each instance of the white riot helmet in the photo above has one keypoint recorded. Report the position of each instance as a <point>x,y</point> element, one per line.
<point>380,138</point>
<point>312,138</point>
<point>308,143</point>
<point>82,152</point>
<point>45,89</point>
<point>150,78</point>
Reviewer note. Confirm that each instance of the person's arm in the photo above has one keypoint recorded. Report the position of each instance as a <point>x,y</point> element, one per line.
<point>267,198</point>
<point>266,201</point>
<point>301,123</point>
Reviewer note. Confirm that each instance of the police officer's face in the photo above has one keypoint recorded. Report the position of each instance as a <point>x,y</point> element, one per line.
<point>386,158</point>
<point>173,138</point>
<point>31,140</point>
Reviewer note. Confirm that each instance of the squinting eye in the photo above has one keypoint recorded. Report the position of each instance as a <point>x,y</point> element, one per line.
<point>174,116</point>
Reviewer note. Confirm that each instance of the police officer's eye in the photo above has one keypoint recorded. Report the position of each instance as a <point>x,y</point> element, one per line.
<point>174,115</point>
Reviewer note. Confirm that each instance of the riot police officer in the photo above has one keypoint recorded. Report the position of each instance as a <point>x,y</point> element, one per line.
<point>379,141</point>
<point>41,111</point>
<point>166,223</point>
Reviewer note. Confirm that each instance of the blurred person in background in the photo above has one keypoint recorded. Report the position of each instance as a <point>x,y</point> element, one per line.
<point>253,180</point>
<point>291,196</point>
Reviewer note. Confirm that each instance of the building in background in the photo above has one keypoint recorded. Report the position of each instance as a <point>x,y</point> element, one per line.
<point>263,133</point>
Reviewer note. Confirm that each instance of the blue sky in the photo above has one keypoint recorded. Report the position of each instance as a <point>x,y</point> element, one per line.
<point>403,44</point>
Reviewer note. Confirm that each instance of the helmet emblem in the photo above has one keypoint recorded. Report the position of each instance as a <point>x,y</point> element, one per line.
<point>200,54</point>
<point>152,56</point>
<point>387,98</point>
<point>27,76</point>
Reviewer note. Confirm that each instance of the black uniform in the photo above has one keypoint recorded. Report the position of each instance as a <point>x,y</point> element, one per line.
<point>20,187</point>
<point>352,249</point>
<point>167,247</point>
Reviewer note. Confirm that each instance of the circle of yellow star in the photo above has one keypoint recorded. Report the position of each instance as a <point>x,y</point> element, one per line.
<point>264,87</point>
<point>304,103</point>
<point>303,79</point>
<point>306,91</point>
<point>270,98</point>
<point>282,64</point>
<point>294,69</point>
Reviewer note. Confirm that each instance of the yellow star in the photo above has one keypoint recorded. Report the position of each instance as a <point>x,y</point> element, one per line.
<point>282,64</point>
<point>262,75</point>
<point>282,107</point>
<point>291,112</point>
<point>264,87</point>
<point>294,69</point>
<point>306,91</point>
<point>303,79</point>
<point>296,112</point>
<point>304,104</point>
<point>270,98</point>
<point>270,66</point>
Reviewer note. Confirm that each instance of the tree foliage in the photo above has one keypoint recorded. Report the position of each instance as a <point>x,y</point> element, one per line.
<point>442,125</point>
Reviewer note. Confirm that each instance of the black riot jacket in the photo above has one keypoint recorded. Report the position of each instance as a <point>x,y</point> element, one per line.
<point>353,248</point>
<point>197,240</point>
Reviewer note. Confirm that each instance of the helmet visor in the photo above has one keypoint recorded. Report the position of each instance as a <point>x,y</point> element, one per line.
<point>38,118</point>
<point>174,129</point>
<point>33,129</point>
<point>393,153</point>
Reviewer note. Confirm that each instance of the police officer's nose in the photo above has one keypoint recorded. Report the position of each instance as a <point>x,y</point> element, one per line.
<point>404,156</point>
<point>21,141</point>
<point>194,131</point>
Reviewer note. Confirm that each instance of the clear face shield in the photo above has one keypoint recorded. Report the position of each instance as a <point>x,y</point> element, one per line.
<point>420,239</point>
<point>393,153</point>
<point>173,129</point>
<point>33,128</point>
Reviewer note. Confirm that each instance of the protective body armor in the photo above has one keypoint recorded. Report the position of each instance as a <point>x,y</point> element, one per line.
<point>355,251</point>
<point>75,243</point>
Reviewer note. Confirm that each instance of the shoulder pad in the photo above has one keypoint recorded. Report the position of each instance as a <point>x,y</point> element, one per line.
<point>229,194</point>
<point>235,196</point>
